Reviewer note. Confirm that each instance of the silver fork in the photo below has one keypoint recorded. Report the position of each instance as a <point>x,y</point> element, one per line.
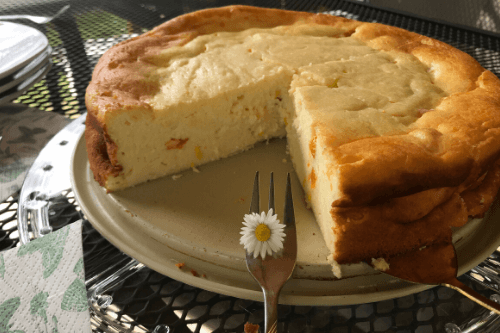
<point>272,272</point>
<point>36,19</point>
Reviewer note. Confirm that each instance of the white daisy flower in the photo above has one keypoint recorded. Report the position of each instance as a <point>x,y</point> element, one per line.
<point>262,234</point>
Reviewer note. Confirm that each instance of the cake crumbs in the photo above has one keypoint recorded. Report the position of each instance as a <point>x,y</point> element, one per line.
<point>175,177</point>
<point>195,273</point>
<point>306,202</point>
<point>194,168</point>
<point>251,328</point>
<point>180,265</point>
<point>240,200</point>
<point>380,264</point>
<point>204,276</point>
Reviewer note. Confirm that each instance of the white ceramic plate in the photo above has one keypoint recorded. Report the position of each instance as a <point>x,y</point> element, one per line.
<point>16,91</point>
<point>196,220</point>
<point>19,45</point>
<point>26,72</point>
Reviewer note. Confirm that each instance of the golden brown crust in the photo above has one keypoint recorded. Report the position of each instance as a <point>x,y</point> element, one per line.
<point>412,221</point>
<point>377,169</point>
<point>450,146</point>
<point>434,264</point>
<point>359,237</point>
<point>97,150</point>
<point>478,198</point>
<point>460,136</point>
<point>455,70</point>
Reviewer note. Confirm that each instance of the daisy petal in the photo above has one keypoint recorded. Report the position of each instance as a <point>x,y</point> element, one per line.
<point>273,246</point>
<point>269,249</point>
<point>263,251</point>
<point>257,248</point>
<point>250,245</point>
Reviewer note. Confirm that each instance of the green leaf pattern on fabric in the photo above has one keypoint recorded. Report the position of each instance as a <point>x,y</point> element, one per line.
<point>7,310</point>
<point>2,266</point>
<point>52,248</point>
<point>75,297</point>
<point>39,300</point>
<point>78,270</point>
<point>11,172</point>
<point>39,305</point>
<point>55,329</point>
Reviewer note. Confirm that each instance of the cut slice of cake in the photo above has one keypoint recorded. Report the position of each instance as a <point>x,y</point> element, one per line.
<point>388,130</point>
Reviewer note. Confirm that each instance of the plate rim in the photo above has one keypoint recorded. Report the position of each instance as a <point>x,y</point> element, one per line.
<point>243,293</point>
<point>26,61</point>
<point>38,63</point>
<point>31,81</point>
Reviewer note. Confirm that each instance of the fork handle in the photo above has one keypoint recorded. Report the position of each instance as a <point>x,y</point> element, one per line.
<point>271,311</point>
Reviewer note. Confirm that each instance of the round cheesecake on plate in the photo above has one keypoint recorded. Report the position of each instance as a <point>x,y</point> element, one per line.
<point>394,136</point>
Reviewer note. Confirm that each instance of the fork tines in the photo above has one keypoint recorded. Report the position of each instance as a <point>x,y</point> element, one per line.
<point>288,216</point>
<point>254,205</point>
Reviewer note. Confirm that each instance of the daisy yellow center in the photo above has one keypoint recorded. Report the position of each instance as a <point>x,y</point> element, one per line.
<point>262,232</point>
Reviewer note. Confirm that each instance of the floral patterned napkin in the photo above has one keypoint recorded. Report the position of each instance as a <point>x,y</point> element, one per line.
<point>24,132</point>
<point>42,285</point>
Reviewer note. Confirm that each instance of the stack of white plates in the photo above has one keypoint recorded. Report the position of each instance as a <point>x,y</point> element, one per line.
<point>24,59</point>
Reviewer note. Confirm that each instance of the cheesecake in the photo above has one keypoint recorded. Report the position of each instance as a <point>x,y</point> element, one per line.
<point>394,136</point>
